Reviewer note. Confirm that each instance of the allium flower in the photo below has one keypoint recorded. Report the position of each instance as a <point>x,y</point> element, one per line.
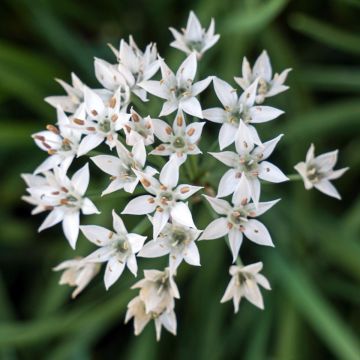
<point>75,95</point>
<point>318,171</point>
<point>116,248</point>
<point>104,119</point>
<point>249,162</point>
<point>136,310</point>
<point>60,142</point>
<point>166,198</point>
<point>178,141</point>
<point>267,86</point>
<point>237,109</point>
<point>121,167</point>
<point>194,38</point>
<point>139,128</point>
<point>176,240</point>
<point>238,220</point>
<point>64,198</point>
<point>77,273</point>
<point>178,90</point>
<point>245,282</point>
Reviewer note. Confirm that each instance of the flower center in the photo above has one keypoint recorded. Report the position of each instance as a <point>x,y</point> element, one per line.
<point>104,126</point>
<point>263,87</point>
<point>195,45</point>
<point>178,237</point>
<point>122,246</point>
<point>238,216</point>
<point>179,142</point>
<point>313,174</point>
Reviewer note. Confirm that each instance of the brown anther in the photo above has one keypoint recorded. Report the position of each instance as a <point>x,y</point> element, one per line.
<point>46,145</point>
<point>150,200</point>
<point>94,112</point>
<point>179,120</point>
<point>52,151</point>
<point>66,141</point>
<point>145,182</point>
<point>64,202</point>
<point>64,189</point>
<point>168,130</point>
<point>163,187</point>
<point>191,132</point>
<point>164,200</point>
<point>244,201</point>
<point>256,231</point>
<point>112,178</point>
<point>148,125</point>
<point>241,228</point>
<point>230,226</point>
<point>252,213</point>
<point>180,154</point>
<point>112,103</point>
<point>55,193</point>
<point>159,209</point>
<point>78,121</point>
<point>53,129</point>
<point>236,214</point>
<point>111,234</point>
<point>185,189</point>
<point>238,175</point>
<point>48,208</point>
<point>191,147</point>
<point>39,137</point>
<point>135,117</point>
<point>128,128</point>
<point>160,148</point>
<point>90,128</point>
<point>245,144</point>
<point>267,169</point>
<point>114,117</point>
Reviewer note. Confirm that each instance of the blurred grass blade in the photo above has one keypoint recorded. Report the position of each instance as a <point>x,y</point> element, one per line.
<point>318,312</point>
<point>326,33</point>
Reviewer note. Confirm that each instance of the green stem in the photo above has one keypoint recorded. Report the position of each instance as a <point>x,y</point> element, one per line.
<point>294,177</point>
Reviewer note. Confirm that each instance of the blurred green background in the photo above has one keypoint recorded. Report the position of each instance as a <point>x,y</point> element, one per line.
<point>313,310</point>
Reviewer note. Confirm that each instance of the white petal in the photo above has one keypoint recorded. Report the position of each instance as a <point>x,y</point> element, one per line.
<point>136,241</point>
<point>154,248</point>
<point>261,208</point>
<point>195,129</point>
<point>244,192</point>
<point>326,187</point>
<point>226,135</point>
<point>187,69</point>
<point>244,141</point>
<point>114,269</point>
<point>93,102</point>
<point>118,224</point>
<point>257,232</point>
<point>80,180</point>
<point>131,263</point>
<point>159,221</point>
<point>263,281</point>
<point>270,172</point>
<point>192,255</point>
<point>222,207</point>
<point>70,226</point>
<point>216,115</point>
<point>192,107</point>
<point>88,143</point>
<point>140,206</point>
<point>327,161</point>
<point>64,101</point>
<point>162,130</point>
<point>260,114</point>
<point>184,191</point>
<point>337,173</point>
<point>253,294</point>
<point>155,88</point>
<point>169,175</point>
<point>139,152</point>
<point>88,207</point>
<point>248,96</point>
<point>216,229</point>
<point>97,234</point>
<point>262,67</point>
<point>53,218</point>
<point>235,241</point>
<point>267,148</point>
<point>169,107</point>
<point>225,92</point>
<point>228,158</point>
<point>228,183</point>
<point>109,164</point>
<point>310,153</point>
<point>48,164</point>
<point>201,85</point>
<point>181,214</point>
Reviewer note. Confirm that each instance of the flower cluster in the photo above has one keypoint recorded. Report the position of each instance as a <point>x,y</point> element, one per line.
<point>115,121</point>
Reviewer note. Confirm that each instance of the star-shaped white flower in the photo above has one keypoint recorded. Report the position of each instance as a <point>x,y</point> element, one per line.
<point>245,283</point>
<point>194,38</point>
<point>78,273</point>
<point>177,241</point>
<point>117,248</point>
<point>75,95</point>
<point>121,167</point>
<point>237,109</point>
<point>136,310</point>
<point>318,171</point>
<point>139,128</point>
<point>64,198</point>
<point>178,141</point>
<point>238,220</point>
<point>248,167</point>
<point>166,198</point>
<point>103,121</point>
<point>267,86</point>
<point>178,90</point>
<point>61,142</point>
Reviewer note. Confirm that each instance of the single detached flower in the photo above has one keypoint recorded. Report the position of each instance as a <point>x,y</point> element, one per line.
<point>121,167</point>
<point>194,38</point>
<point>238,220</point>
<point>177,241</point>
<point>139,128</point>
<point>250,163</point>
<point>245,282</point>
<point>103,121</point>
<point>318,171</point>
<point>166,198</point>
<point>267,86</point>
<point>61,142</point>
<point>236,109</point>
<point>64,198</point>
<point>117,248</point>
<point>77,273</point>
<point>178,141</point>
<point>178,90</point>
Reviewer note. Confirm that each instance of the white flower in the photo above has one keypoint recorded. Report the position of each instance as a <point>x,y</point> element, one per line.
<point>176,240</point>
<point>166,198</point>
<point>250,163</point>
<point>104,119</point>
<point>158,290</point>
<point>268,86</point>
<point>136,310</point>
<point>237,109</point>
<point>318,171</point>
<point>194,38</point>
<point>178,141</point>
<point>77,273</point>
<point>238,220</point>
<point>75,95</point>
<point>139,128</point>
<point>136,66</point>
<point>116,248</point>
<point>60,142</point>
<point>178,90</point>
<point>121,167</point>
<point>245,282</point>
<point>63,197</point>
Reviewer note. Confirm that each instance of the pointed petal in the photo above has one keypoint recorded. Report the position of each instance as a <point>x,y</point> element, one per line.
<point>260,114</point>
<point>270,172</point>
<point>80,180</point>
<point>182,214</point>
<point>192,107</point>
<point>226,135</point>
<point>216,115</point>
<point>216,229</point>
<point>225,93</point>
<point>326,187</point>
<point>192,255</point>
<point>114,269</point>
<point>228,183</point>
<point>70,226</point>
<point>141,205</point>
<point>118,224</point>
<point>235,241</point>
<point>98,235</point>
<point>89,142</point>
<point>257,232</point>
<point>222,207</point>
<point>169,175</point>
